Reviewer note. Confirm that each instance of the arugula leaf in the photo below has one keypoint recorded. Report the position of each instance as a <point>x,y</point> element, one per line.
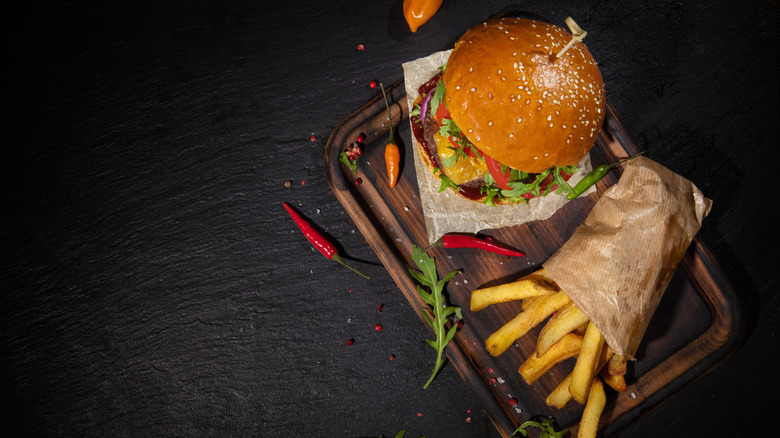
<point>352,164</point>
<point>450,128</point>
<point>438,96</point>
<point>428,277</point>
<point>452,159</point>
<point>416,109</point>
<point>547,424</point>
<point>446,182</point>
<point>564,188</point>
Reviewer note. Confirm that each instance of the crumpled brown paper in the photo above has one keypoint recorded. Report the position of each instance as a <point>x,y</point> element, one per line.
<point>446,212</point>
<point>618,263</point>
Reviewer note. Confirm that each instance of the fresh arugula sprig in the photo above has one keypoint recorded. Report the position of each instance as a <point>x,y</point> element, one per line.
<point>428,278</point>
<point>519,188</point>
<point>490,190</point>
<point>547,425</point>
<point>351,163</point>
<point>445,181</point>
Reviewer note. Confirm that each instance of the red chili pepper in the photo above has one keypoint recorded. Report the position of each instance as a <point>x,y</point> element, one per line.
<point>466,241</point>
<point>318,240</point>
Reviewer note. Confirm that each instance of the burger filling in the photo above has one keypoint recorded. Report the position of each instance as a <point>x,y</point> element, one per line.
<point>462,167</point>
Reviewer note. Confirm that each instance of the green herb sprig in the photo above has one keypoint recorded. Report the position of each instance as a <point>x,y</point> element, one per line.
<point>352,164</point>
<point>428,277</point>
<point>546,424</point>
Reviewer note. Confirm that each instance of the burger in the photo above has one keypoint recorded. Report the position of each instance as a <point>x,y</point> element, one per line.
<point>517,105</point>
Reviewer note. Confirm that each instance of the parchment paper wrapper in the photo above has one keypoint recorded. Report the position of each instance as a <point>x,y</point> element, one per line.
<point>447,212</point>
<point>618,263</point>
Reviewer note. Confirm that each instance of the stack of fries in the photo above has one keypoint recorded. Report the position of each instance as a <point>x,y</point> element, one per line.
<point>567,333</point>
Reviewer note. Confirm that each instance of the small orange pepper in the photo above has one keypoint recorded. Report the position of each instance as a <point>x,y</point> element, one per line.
<point>418,12</point>
<point>392,154</point>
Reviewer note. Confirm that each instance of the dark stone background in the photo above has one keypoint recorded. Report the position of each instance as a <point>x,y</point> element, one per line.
<point>152,285</point>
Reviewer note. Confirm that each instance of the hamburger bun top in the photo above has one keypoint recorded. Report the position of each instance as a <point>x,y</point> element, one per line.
<point>517,101</point>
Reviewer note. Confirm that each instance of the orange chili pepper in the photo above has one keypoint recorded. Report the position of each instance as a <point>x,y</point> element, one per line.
<point>417,12</point>
<point>392,154</point>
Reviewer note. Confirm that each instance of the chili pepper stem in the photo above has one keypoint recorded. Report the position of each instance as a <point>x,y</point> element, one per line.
<point>436,243</point>
<point>337,258</point>
<point>389,117</point>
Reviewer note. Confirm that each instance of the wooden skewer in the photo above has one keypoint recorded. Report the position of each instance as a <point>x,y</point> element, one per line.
<point>577,34</point>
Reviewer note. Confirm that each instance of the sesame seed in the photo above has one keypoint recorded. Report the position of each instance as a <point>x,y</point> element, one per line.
<point>519,120</point>
<point>473,89</point>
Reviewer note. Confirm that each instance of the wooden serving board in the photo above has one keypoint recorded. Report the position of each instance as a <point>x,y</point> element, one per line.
<point>696,326</point>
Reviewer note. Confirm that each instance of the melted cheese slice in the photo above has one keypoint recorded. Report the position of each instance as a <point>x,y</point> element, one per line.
<point>464,169</point>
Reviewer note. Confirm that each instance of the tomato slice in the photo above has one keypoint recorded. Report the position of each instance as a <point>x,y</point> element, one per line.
<point>441,113</point>
<point>501,178</point>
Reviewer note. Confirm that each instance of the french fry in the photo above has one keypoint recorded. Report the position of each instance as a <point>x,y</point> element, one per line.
<point>581,329</point>
<point>535,366</point>
<point>560,396</point>
<point>585,369</point>
<point>597,399</point>
<point>532,285</point>
<point>617,365</point>
<point>513,330</point>
<point>565,320</point>
<point>614,381</point>
<point>526,303</point>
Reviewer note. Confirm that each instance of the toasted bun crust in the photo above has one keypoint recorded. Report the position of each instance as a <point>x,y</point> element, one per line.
<point>519,103</point>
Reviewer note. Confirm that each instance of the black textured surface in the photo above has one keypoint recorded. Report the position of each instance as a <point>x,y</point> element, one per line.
<point>152,284</point>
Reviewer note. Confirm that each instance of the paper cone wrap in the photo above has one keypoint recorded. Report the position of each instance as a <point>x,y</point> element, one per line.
<point>618,263</point>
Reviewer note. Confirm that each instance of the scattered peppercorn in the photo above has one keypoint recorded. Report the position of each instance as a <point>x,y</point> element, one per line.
<point>350,342</point>
<point>361,47</point>
<point>380,307</point>
<point>391,357</point>
<point>512,402</point>
<point>358,181</point>
<point>378,327</point>
<point>360,138</point>
<point>313,138</point>
<point>373,84</point>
